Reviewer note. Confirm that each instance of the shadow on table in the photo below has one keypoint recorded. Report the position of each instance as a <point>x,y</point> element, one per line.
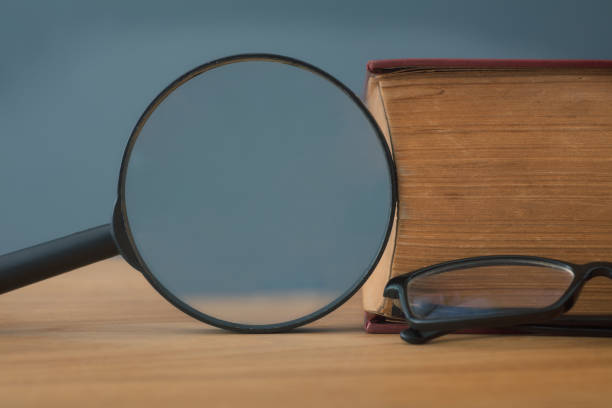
<point>299,330</point>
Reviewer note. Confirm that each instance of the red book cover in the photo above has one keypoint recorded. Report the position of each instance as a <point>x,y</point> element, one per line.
<point>382,66</point>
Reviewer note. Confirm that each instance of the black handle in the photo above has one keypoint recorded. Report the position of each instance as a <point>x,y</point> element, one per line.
<point>30,265</point>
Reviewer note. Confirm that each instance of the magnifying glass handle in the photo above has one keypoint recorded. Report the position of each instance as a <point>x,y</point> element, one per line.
<point>30,265</point>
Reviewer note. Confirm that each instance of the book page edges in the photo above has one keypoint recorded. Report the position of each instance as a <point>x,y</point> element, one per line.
<point>372,290</point>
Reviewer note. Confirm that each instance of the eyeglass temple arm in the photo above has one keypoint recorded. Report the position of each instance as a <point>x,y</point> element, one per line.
<point>414,336</point>
<point>39,262</point>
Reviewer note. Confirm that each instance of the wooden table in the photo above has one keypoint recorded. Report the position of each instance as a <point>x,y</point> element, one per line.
<point>101,336</point>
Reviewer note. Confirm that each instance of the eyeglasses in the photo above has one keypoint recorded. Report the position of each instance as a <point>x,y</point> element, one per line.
<point>488,292</point>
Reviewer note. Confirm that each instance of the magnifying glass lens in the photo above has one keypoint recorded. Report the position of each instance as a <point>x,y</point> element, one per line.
<point>256,193</point>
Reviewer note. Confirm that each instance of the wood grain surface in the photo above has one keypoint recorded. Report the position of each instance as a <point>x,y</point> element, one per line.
<point>101,336</point>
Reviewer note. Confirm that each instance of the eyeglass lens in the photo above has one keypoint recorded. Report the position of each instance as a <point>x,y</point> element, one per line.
<point>484,290</point>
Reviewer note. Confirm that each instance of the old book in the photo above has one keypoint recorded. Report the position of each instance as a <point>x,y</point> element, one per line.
<point>496,157</point>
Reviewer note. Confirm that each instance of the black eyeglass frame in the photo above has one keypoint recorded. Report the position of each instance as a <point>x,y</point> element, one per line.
<point>423,330</point>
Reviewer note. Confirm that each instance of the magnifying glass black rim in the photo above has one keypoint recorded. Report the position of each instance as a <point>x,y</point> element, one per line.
<point>124,223</point>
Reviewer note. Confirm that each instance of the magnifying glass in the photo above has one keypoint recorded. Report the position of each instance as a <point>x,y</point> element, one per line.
<point>256,193</point>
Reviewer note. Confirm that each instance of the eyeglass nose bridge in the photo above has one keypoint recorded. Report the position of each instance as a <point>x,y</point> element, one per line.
<point>595,269</point>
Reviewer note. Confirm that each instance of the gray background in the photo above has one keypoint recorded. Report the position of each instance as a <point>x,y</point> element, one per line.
<point>76,75</point>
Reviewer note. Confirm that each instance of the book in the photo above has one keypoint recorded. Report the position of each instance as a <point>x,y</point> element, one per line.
<point>495,157</point>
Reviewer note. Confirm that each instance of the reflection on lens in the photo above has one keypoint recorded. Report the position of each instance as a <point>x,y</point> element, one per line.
<point>480,291</point>
<point>258,193</point>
